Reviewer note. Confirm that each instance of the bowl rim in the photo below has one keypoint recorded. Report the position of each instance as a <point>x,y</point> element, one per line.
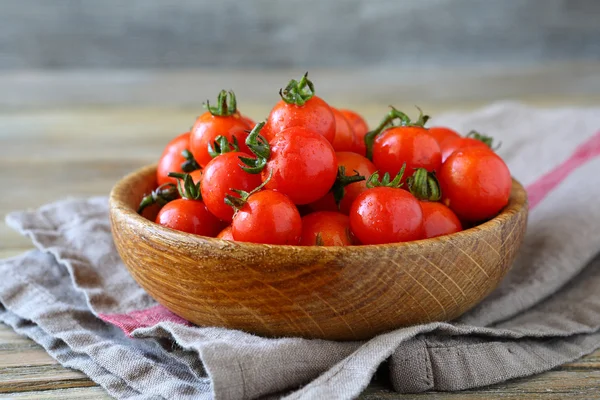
<point>517,202</point>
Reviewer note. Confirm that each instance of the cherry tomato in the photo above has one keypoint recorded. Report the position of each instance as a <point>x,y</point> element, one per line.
<point>189,216</point>
<point>226,234</point>
<point>171,158</point>
<point>360,130</point>
<point>351,162</point>
<point>267,217</point>
<point>326,228</point>
<point>315,115</point>
<point>451,145</point>
<point>302,164</point>
<point>386,215</point>
<point>410,144</point>
<point>441,134</point>
<point>249,121</point>
<point>208,127</point>
<point>345,139</point>
<point>475,183</point>
<point>221,175</point>
<point>439,220</point>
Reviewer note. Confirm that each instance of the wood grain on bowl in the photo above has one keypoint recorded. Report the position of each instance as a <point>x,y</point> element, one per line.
<point>340,293</point>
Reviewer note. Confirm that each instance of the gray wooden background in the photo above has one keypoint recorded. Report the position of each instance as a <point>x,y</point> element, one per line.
<point>148,34</point>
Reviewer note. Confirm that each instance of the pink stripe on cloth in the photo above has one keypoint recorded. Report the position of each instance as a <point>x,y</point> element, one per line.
<point>538,190</point>
<point>142,319</point>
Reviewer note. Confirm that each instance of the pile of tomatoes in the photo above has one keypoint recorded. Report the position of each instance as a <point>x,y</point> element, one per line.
<point>311,174</point>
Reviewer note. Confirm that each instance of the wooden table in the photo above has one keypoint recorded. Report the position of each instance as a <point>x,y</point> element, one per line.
<point>75,134</point>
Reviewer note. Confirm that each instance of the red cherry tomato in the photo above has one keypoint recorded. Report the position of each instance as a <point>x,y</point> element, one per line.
<point>208,127</point>
<point>410,144</point>
<point>439,220</point>
<point>360,130</point>
<point>171,158</point>
<point>302,163</point>
<point>315,115</point>
<point>249,121</point>
<point>221,175</point>
<point>441,134</point>
<point>267,217</point>
<point>351,162</point>
<point>386,215</point>
<point>189,216</point>
<point>345,139</point>
<point>325,228</point>
<point>475,183</point>
<point>451,145</point>
<point>226,234</point>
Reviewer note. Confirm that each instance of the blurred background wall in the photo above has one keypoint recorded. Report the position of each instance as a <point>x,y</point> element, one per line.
<point>148,34</point>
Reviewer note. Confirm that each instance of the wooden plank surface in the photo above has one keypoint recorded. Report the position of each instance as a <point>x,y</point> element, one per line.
<point>49,151</point>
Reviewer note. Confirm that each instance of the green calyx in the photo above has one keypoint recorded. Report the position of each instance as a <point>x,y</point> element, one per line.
<point>238,202</point>
<point>487,140</point>
<point>341,181</point>
<point>259,146</point>
<point>162,195</point>
<point>374,180</point>
<point>226,104</point>
<point>190,163</point>
<point>298,92</point>
<point>188,190</point>
<point>388,122</point>
<point>222,146</point>
<point>424,185</point>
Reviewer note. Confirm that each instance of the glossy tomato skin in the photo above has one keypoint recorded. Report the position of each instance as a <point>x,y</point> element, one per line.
<point>249,121</point>
<point>442,134</point>
<point>352,162</point>
<point>268,217</point>
<point>302,163</point>
<point>451,145</point>
<point>206,129</point>
<point>315,115</point>
<point>326,228</point>
<point>475,184</point>
<point>221,175</point>
<point>225,234</point>
<point>408,144</point>
<point>439,220</point>
<point>189,216</point>
<point>345,139</point>
<point>360,127</point>
<point>171,158</point>
<point>386,215</point>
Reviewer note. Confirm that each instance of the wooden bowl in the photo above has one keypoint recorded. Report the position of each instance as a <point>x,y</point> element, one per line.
<point>339,293</point>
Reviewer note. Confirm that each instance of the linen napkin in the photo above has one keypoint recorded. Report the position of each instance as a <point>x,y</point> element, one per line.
<point>74,296</point>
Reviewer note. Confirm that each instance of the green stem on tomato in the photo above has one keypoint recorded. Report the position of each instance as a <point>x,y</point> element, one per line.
<point>225,107</point>
<point>221,146</point>
<point>341,181</point>
<point>298,92</point>
<point>424,185</point>
<point>162,195</point>
<point>238,202</point>
<point>387,122</point>
<point>487,140</point>
<point>374,180</point>
<point>189,190</point>
<point>190,163</point>
<point>259,146</point>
